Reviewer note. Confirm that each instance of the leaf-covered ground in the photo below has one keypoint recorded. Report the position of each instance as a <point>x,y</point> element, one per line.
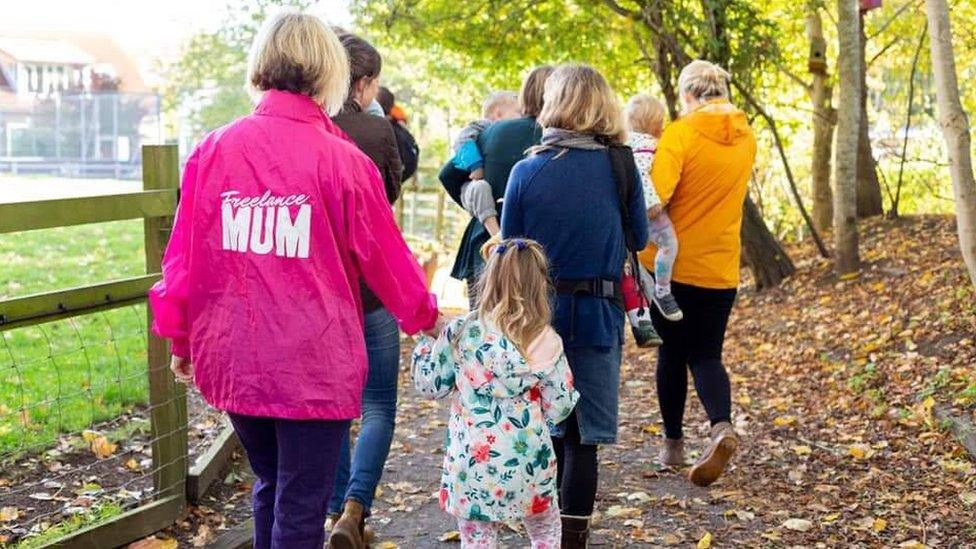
<point>834,385</point>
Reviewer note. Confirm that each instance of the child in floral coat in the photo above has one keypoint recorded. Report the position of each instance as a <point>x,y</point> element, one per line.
<point>505,366</point>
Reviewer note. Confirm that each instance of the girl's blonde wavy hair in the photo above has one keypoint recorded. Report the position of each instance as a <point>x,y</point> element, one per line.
<point>298,53</point>
<point>578,98</point>
<point>515,290</point>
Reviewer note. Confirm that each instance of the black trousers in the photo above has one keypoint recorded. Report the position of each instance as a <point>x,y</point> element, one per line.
<point>577,471</point>
<point>694,343</point>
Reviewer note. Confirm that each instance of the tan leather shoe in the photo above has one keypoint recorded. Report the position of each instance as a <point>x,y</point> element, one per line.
<point>672,452</point>
<point>716,457</point>
<point>347,532</point>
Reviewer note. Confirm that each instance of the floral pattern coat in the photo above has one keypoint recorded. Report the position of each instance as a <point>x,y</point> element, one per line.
<point>499,464</point>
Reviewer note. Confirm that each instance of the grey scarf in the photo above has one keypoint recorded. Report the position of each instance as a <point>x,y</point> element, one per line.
<point>567,139</point>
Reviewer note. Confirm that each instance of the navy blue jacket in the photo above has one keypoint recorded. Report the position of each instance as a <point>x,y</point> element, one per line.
<point>569,203</point>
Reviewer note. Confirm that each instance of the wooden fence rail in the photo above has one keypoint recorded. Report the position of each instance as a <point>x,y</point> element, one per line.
<point>167,399</point>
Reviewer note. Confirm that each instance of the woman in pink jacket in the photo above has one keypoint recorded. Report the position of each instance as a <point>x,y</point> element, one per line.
<point>279,218</point>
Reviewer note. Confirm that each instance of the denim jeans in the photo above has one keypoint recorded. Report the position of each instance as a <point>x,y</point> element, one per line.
<point>596,375</point>
<point>295,463</point>
<point>357,481</point>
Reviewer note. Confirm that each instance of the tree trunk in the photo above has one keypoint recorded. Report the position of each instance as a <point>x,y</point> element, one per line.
<point>955,128</point>
<point>663,63</point>
<point>824,119</point>
<point>868,186</point>
<point>848,120</point>
<point>761,252</point>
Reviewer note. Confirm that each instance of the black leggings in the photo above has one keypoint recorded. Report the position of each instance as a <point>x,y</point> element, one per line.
<point>576,473</point>
<point>694,342</point>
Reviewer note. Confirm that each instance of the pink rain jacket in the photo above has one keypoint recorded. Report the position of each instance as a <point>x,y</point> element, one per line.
<point>279,217</point>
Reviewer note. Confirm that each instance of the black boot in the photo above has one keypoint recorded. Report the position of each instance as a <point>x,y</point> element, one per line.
<point>576,530</point>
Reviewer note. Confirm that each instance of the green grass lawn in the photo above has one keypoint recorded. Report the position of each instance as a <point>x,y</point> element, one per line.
<point>62,376</point>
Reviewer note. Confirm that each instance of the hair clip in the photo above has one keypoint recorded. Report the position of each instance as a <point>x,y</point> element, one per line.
<point>520,244</point>
<point>501,248</point>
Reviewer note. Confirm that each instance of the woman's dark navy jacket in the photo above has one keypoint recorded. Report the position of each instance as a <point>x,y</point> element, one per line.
<point>568,201</point>
<point>502,145</point>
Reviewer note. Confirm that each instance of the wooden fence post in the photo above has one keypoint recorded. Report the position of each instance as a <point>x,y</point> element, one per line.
<point>439,224</point>
<point>167,398</point>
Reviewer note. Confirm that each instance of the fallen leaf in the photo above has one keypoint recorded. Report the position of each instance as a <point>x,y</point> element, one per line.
<point>706,541</point>
<point>783,421</point>
<point>202,537</point>
<point>8,514</point>
<point>798,525</point>
<point>640,497</point>
<point>387,545</point>
<point>802,450</point>
<point>968,498</point>
<point>131,464</point>
<point>101,447</point>
<point>860,451</point>
<point>619,511</point>
<point>879,524</point>
<point>154,543</point>
<point>745,515</point>
<point>453,535</point>
<point>652,429</point>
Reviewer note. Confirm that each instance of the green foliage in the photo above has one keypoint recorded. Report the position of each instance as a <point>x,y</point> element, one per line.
<point>208,79</point>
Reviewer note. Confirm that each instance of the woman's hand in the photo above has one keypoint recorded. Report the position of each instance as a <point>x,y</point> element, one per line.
<point>438,327</point>
<point>655,211</point>
<point>182,368</point>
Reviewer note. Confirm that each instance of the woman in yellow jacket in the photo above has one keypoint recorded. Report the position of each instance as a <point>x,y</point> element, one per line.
<point>701,169</point>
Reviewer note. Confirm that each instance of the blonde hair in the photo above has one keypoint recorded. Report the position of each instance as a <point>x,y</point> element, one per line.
<point>515,290</point>
<point>578,98</point>
<point>497,100</point>
<point>533,88</point>
<point>704,81</point>
<point>645,114</point>
<point>298,53</point>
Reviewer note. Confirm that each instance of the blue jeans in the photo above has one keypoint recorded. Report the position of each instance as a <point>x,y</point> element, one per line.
<point>357,481</point>
<point>295,463</point>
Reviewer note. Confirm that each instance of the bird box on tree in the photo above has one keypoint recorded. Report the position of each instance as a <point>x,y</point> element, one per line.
<point>817,63</point>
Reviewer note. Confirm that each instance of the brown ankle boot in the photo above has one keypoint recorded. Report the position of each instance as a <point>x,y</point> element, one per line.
<point>672,452</point>
<point>576,530</point>
<point>716,457</point>
<point>347,532</point>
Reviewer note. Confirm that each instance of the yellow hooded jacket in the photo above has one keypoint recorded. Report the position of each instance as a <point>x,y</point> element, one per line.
<point>702,167</point>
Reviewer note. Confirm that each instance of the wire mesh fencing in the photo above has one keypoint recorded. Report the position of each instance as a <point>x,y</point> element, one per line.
<point>93,428</point>
<point>76,438</point>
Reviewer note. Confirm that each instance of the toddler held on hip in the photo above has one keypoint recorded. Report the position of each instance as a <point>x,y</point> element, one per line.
<point>510,383</point>
<point>476,196</point>
<point>645,118</point>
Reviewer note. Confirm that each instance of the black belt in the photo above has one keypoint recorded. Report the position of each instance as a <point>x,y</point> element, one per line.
<point>601,288</point>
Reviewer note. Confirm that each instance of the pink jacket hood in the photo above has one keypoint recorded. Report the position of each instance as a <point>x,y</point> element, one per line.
<point>279,217</point>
